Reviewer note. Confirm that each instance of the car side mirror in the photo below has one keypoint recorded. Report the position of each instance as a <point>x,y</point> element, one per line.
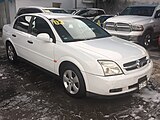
<point>157,15</point>
<point>44,37</point>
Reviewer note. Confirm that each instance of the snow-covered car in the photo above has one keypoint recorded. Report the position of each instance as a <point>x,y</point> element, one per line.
<point>138,23</point>
<point>85,56</point>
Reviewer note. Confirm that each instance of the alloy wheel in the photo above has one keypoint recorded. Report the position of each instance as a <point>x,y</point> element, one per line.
<point>10,52</point>
<point>71,82</point>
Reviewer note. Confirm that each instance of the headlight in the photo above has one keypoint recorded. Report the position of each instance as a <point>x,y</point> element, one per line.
<point>110,68</point>
<point>137,28</point>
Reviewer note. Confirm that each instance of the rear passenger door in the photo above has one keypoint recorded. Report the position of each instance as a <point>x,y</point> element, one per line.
<point>20,36</point>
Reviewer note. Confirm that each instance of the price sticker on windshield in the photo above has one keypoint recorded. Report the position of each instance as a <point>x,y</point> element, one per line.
<point>58,22</point>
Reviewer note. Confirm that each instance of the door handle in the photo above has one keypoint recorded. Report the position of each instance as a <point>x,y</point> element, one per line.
<point>13,35</point>
<point>30,42</point>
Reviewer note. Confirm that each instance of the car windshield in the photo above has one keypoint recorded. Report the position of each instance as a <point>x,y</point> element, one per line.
<point>55,10</point>
<point>139,10</point>
<point>78,29</point>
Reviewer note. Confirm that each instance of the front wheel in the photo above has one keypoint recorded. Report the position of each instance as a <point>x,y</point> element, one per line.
<point>11,53</point>
<point>73,81</point>
<point>146,39</point>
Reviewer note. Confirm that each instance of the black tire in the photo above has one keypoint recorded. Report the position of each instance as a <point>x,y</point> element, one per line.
<point>11,53</point>
<point>73,81</point>
<point>146,40</point>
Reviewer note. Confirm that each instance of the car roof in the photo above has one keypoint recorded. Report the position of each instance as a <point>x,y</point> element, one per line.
<point>39,7</point>
<point>53,15</point>
<point>94,9</point>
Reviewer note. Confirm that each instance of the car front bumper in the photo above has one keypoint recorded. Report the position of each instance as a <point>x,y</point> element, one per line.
<point>120,84</point>
<point>133,36</point>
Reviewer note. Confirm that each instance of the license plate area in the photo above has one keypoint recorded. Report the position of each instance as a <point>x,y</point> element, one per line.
<point>142,82</point>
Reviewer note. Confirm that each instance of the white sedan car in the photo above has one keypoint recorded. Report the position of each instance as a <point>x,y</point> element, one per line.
<point>86,57</point>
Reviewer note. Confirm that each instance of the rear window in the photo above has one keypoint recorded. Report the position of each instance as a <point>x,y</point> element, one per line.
<point>28,10</point>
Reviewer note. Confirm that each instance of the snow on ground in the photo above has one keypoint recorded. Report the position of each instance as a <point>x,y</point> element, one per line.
<point>150,95</point>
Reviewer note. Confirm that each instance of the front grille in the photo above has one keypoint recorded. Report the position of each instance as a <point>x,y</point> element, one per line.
<point>123,27</point>
<point>135,64</point>
<point>110,26</point>
<point>118,26</point>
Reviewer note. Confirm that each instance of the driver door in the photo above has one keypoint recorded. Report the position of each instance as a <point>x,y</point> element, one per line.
<point>42,51</point>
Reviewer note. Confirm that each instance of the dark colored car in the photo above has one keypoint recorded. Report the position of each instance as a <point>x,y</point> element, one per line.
<point>90,13</point>
<point>101,19</point>
<point>35,9</point>
<point>73,11</point>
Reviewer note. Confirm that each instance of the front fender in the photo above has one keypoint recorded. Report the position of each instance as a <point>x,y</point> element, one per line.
<point>75,62</point>
<point>69,59</point>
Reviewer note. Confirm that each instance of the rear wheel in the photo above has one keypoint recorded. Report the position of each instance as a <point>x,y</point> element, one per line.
<point>73,81</point>
<point>11,53</point>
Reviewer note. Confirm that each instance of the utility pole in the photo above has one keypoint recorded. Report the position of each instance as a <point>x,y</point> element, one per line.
<point>6,2</point>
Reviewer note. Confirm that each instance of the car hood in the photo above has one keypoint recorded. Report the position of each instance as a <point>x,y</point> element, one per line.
<point>128,19</point>
<point>110,48</point>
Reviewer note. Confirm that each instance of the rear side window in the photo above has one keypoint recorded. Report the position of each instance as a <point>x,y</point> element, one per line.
<point>28,10</point>
<point>22,23</point>
<point>100,12</point>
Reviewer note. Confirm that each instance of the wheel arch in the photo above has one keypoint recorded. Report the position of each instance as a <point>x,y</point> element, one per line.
<point>69,60</point>
<point>149,29</point>
<point>10,41</point>
<point>65,63</point>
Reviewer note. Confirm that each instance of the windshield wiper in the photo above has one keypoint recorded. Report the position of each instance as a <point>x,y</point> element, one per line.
<point>75,40</point>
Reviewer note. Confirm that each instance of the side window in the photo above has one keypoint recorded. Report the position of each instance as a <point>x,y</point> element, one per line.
<point>92,13</point>
<point>100,12</point>
<point>39,25</point>
<point>22,23</point>
<point>157,15</point>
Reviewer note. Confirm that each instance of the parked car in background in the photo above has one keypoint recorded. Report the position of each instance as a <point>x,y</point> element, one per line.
<point>85,56</point>
<point>140,24</point>
<point>72,11</point>
<point>101,19</point>
<point>36,9</point>
<point>90,13</point>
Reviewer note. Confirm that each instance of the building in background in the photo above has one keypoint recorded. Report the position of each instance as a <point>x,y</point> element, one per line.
<point>8,8</point>
<point>116,6</point>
